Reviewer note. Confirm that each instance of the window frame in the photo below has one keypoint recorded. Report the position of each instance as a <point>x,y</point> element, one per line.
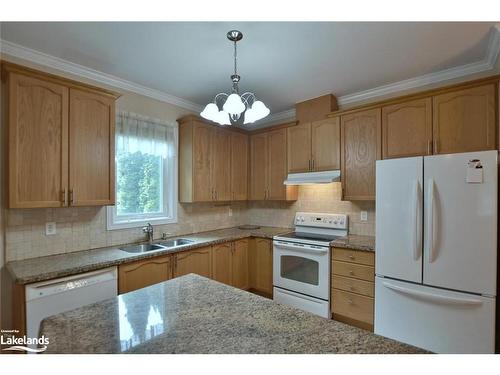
<point>169,198</point>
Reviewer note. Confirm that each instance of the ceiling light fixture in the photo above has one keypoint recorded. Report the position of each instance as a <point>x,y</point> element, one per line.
<point>236,108</point>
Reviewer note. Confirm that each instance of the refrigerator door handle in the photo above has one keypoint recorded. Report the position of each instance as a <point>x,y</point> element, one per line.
<point>430,221</point>
<point>438,298</point>
<point>416,220</point>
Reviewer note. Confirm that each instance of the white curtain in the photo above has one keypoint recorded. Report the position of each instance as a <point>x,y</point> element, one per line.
<point>150,136</point>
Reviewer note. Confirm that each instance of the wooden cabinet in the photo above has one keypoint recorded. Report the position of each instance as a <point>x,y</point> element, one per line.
<point>258,166</point>
<point>198,261</point>
<point>221,262</point>
<point>60,141</point>
<point>91,149</point>
<point>239,264</point>
<point>353,287</point>
<point>268,167</point>
<point>140,274</point>
<point>205,163</point>
<point>299,148</point>
<point>464,120</point>
<point>314,146</point>
<point>407,129</point>
<point>261,266</point>
<point>221,165</point>
<point>239,167</point>
<point>361,137</point>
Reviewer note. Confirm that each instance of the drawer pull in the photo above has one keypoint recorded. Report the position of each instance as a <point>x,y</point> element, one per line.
<point>351,257</point>
<point>349,301</point>
<point>351,272</point>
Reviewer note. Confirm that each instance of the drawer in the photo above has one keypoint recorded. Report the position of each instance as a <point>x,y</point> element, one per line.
<point>356,271</point>
<point>348,284</point>
<point>354,256</point>
<point>352,306</point>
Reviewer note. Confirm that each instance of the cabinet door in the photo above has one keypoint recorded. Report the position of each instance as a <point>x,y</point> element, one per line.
<point>221,167</point>
<point>325,139</point>
<point>407,129</point>
<point>299,148</point>
<point>239,266</point>
<point>277,165</point>
<point>221,262</point>
<point>261,266</point>
<point>464,120</point>
<point>361,148</point>
<point>239,167</point>
<point>258,166</point>
<point>197,261</point>
<point>38,142</point>
<point>143,273</point>
<point>91,149</point>
<point>202,163</point>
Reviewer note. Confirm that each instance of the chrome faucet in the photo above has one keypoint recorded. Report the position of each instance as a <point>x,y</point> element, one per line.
<point>148,229</point>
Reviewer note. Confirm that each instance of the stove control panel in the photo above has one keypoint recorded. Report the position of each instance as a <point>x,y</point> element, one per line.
<point>309,219</point>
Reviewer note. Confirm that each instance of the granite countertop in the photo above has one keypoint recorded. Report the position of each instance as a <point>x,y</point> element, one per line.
<point>192,314</point>
<point>355,242</point>
<point>54,266</point>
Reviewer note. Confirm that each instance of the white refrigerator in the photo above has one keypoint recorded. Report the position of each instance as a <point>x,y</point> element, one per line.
<point>436,251</point>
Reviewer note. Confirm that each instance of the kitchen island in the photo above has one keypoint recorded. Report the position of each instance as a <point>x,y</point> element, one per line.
<point>192,314</point>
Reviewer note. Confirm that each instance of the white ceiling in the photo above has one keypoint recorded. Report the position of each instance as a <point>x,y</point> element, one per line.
<point>282,62</point>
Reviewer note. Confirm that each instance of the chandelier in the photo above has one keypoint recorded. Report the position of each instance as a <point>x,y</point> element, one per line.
<point>236,108</point>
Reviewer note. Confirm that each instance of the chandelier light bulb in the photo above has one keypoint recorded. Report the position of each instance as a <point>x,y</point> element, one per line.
<point>234,105</point>
<point>222,118</point>
<point>210,112</point>
<point>260,110</point>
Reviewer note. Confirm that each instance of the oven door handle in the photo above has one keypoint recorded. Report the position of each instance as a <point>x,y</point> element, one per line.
<point>303,249</point>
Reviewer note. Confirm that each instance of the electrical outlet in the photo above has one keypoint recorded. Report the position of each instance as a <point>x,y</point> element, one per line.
<point>50,229</point>
<point>364,216</point>
<point>230,212</point>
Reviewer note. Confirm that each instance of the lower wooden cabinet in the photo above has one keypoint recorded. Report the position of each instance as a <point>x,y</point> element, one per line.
<point>140,274</point>
<point>221,261</point>
<point>239,264</point>
<point>198,261</point>
<point>353,287</point>
<point>261,266</point>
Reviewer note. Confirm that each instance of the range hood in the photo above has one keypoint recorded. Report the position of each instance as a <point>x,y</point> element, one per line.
<point>308,178</point>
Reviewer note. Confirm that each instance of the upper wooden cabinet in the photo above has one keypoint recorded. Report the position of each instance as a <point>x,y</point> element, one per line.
<point>239,167</point>
<point>268,167</point>
<point>91,149</point>
<point>464,120</point>
<point>361,138</point>
<point>407,129</point>
<point>314,146</point>
<point>60,141</point>
<point>210,166</point>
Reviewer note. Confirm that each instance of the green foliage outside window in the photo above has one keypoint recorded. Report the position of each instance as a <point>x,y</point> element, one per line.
<point>138,183</point>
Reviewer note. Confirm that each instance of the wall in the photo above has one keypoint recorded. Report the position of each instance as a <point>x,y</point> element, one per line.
<point>313,198</point>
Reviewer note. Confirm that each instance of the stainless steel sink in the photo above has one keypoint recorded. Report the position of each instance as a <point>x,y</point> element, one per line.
<point>142,248</point>
<point>177,242</point>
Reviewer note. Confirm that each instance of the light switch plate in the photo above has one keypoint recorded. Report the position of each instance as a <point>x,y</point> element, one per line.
<point>364,216</point>
<point>50,229</point>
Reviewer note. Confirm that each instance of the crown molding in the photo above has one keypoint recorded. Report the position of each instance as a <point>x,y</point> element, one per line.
<point>487,64</point>
<point>43,59</point>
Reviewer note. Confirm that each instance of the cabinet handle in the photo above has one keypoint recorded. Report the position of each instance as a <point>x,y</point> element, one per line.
<point>309,164</point>
<point>351,273</point>
<point>313,164</point>
<point>63,196</point>
<point>70,196</point>
<point>351,257</point>
<point>349,301</point>
<point>429,147</point>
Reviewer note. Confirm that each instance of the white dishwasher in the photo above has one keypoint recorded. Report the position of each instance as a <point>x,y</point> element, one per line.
<point>55,296</point>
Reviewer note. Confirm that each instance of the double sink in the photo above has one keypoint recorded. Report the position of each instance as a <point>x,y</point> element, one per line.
<point>146,248</point>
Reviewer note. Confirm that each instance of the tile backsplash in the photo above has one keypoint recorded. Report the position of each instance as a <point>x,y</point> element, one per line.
<point>81,228</point>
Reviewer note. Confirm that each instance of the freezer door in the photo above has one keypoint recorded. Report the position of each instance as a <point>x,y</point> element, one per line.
<point>434,319</point>
<point>398,239</point>
<point>460,223</point>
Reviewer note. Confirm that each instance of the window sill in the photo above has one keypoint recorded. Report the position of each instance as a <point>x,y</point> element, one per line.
<point>139,223</point>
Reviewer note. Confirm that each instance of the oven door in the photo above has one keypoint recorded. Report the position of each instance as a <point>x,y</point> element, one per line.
<point>302,268</point>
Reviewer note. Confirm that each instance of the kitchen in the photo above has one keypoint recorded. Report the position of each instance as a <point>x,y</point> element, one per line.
<point>148,224</point>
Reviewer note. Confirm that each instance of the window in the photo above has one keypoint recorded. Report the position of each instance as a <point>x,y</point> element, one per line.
<point>146,172</point>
